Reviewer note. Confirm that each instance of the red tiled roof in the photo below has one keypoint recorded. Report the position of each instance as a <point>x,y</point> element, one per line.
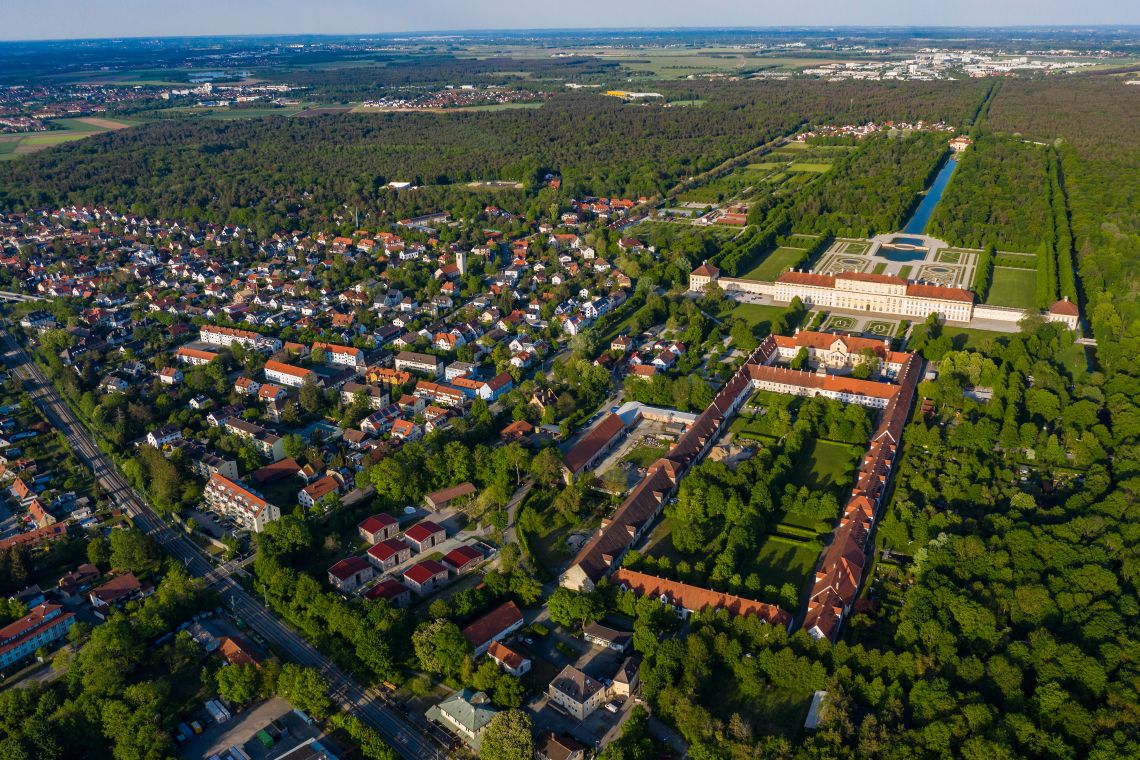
<point>283,468</point>
<point>461,556</point>
<point>448,494</point>
<point>195,353</point>
<point>833,383</point>
<point>706,270</point>
<point>236,653</point>
<point>422,572</point>
<point>1065,307</point>
<point>377,522</point>
<point>14,633</point>
<point>387,589</point>
<point>387,549</point>
<point>698,599</point>
<point>422,531</point>
<point>940,293</point>
<point>885,279</point>
<point>49,532</point>
<point>320,488</point>
<point>505,656</point>
<point>287,369</point>
<point>592,442</point>
<point>492,624</point>
<point>807,278</point>
<point>348,567</point>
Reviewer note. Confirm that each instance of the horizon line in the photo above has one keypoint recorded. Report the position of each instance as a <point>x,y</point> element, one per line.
<point>556,29</point>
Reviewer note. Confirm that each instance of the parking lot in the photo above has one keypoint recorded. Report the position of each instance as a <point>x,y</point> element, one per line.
<point>241,730</point>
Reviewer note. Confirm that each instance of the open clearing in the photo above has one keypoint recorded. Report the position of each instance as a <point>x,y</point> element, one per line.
<point>827,465</point>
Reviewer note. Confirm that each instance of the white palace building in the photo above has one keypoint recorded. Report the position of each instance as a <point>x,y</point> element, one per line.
<point>853,291</point>
<point>876,294</point>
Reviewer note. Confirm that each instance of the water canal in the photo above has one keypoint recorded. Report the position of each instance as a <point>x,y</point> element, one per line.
<point>922,214</point>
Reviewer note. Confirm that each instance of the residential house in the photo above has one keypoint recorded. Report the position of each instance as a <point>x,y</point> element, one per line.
<point>351,573</point>
<point>170,376</point>
<point>316,492</point>
<point>577,693</point>
<point>287,374</point>
<point>508,659</point>
<point>388,553</point>
<point>492,389</point>
<point>466,714</point>
<point>424,577</point>
<point>603,636</point>
<point>552,746</point>
<point>269,445</point>
<point>378,527</point>
<point>409,361</point>
<point>163,435</point>
<point>392,591</point>
<point>424,535</point>
<point>118,590</point>
<point>194,356</point>
<point>377,398</point>
<point>348,356</point>
<point>462,558</point>
<point>496,625</point>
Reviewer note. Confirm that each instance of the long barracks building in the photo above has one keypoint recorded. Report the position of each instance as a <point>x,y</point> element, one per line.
<point>840,571</point>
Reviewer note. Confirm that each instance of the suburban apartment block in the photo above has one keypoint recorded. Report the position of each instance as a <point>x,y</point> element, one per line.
<point>235,501</point>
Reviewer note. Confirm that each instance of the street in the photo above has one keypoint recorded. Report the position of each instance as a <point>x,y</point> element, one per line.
<point>344,690</point>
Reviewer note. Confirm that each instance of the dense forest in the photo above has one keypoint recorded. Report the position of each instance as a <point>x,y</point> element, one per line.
<point>999,194</point>
<point>280,173</point>
<point>874,188</point>
<point>374,75</point>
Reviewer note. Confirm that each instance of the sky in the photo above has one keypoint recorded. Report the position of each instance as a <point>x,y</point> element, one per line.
<point>59,19</point>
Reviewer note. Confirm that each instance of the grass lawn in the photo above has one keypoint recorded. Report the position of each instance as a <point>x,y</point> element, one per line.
<point>1013,287</point>
<point>880,268</point>
<point>805,522</point>
<point>826,464</point>
<point>783,560</point>
<point>754,313</point>
<point>1074,358</point>
<point>779,710</point>
<point>775,263</point>
<point>806,166</point>
<point>643,456</point>
<point>964,337</point>
<point>904,272</point>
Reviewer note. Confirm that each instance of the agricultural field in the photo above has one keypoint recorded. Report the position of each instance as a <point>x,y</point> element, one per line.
<point>19,144</point>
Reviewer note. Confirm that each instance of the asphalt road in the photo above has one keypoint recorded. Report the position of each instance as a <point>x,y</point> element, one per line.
<point>344,690</point>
